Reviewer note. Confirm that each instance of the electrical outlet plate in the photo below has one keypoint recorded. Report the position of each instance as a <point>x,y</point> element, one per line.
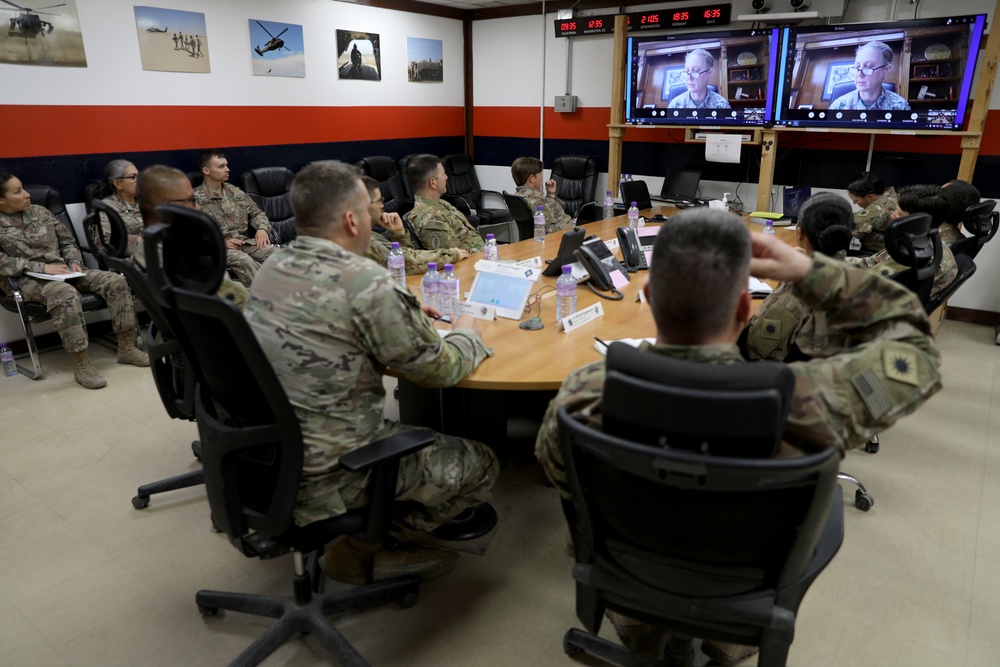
<point>565,103</point>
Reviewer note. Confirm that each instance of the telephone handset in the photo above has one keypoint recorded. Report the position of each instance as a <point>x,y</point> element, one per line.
<point>600,273</point>
<point>632,254</point>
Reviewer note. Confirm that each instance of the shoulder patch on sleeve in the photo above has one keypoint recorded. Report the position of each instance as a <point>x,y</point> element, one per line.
<point>770,329</point>
<point>901,366</point>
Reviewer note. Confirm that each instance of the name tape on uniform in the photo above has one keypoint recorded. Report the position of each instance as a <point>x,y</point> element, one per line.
<point>581,317</point>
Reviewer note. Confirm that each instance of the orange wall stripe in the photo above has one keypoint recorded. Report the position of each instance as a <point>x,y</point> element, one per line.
<point>80,130</point>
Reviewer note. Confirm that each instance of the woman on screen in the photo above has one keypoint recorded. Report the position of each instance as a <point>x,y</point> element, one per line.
<point>698,67</point>
<point>872,62</point>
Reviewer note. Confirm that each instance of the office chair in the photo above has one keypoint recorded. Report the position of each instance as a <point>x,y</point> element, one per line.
<point>576,181</point>
<point>982,222</point>
<point>414,237</point>
<point>252,448</point>
<point>196,177</point>
<point>383,169</point>
<point>523,216</point>
<point>912,242</point>
<point>635,191</point>
<point>174,383</point>
<point>90,194</point>
<point>846,87</point>
<point>404,176</point>
<point>463,182</point>
<point>32,312</point>
<point>680,515</point>
<point>269,188</point>
<point>588,213</point>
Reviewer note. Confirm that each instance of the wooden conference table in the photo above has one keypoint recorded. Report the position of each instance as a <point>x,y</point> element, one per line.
<point>531,363</point>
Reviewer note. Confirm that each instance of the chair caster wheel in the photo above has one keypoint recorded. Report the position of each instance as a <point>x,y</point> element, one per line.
<point>872,445</point>
<point>140,502</point>
<point>207,611</point>
<point>196,449</point>
<point>863,501</point>
<point>408,600</point>
<point>570,648</point>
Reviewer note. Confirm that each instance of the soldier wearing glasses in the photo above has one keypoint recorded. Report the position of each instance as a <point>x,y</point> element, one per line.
<point>872,63</point>
<point>117,190</point>
<point>698,67</point>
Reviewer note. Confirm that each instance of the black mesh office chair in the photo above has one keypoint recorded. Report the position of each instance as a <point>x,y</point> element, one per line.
<point>981,221</point>
<point>31,312</point>
<point>576,181</point>
<point>912,242</point>
<point>383,169</point>
<point>635,191</point>
<point>174,383</point>
<point>523,215</point>
<point>681,518</point>
<point>90,194</point>
<point>252,448</point>
<point>269,188</point>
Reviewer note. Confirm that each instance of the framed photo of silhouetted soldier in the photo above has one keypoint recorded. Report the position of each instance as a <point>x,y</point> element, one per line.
<point>360,56</point>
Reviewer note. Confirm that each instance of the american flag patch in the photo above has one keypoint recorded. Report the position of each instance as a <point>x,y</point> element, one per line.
<point>872,392</point>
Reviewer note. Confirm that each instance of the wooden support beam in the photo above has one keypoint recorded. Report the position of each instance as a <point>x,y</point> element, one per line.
<point>618,74</point>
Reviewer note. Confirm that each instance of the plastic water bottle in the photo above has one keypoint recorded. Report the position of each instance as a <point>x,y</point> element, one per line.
<point>449,290</point>
<point>609,206</point>
<point>7,359</point>
<point>397,264</point>
<point>725,200</point>
<point>430,286</point>
<point>539,224</point>
<point>769,228</point>
<point>633,216</point>
<point>565,293</point>
<point>492,250</point>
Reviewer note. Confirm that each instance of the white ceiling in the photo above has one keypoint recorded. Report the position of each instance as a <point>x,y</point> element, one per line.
<point>477,4</point>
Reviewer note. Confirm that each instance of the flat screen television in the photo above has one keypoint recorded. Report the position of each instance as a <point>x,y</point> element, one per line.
<point>716,78</point>
<point>910,75</point>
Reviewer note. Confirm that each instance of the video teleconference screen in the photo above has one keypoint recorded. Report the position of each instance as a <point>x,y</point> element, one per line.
<point>907,74</point>
<point>721,78</point>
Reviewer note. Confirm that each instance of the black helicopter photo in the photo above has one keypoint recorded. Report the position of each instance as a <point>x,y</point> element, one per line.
<point>41,35</point>
<point>276,49</point>
<point>274,43</point>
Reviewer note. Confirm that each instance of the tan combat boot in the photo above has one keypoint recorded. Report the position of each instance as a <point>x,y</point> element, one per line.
<point>84,372</point>
<point>425,563</point>
<point>349,561</point>
<point>128,353</point>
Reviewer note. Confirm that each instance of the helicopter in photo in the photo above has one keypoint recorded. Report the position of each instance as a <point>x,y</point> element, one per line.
<point>28,23</point>
<point>274,43</point>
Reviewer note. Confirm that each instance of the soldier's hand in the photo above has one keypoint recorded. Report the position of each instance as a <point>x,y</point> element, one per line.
<point>392,222</point>
<point>467,322</point>
<point>56,269</point>
<point>76,267</point>
<point>234,243</point>
<point>777,260</point>
<point>262,239</point>
<point>431,311</point>
<point>550,186</point>
<point>462,254</point>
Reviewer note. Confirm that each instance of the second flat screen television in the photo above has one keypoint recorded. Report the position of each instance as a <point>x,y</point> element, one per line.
<point>718,78</point>
<point>911,75</point>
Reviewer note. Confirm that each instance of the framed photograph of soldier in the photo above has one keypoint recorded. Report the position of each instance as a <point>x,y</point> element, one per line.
<point>171,40</point>
<point>276,49</point>
<point>425,60</point>
<point>49,35</point>
<point>360,55</point>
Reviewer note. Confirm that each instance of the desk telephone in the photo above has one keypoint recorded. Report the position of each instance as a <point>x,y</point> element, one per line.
<point>632,254</point>
<point>599,263</point>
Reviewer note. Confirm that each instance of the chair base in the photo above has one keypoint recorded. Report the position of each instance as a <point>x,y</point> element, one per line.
<point>188,479</point>
<point>308,613</point>
<point>862,499</point>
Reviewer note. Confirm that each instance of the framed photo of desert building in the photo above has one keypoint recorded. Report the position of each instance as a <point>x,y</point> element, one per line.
<point>425,62</point>
<point>171,40</point>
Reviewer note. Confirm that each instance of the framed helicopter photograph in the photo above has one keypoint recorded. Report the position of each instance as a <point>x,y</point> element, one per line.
<point>41,33</point>
<point>276,49</point>
<point>171,40</point>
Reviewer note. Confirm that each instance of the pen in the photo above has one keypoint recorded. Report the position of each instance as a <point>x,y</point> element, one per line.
<point>601,342</point>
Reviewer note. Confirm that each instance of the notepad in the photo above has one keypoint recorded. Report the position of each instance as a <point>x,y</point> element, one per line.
<point>55,276</point>
<point>758,288</point>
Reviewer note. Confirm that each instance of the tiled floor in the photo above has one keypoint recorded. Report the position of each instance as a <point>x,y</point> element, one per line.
<point>86,580</point>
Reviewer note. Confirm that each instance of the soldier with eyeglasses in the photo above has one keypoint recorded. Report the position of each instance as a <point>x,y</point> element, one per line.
<point>698,68</point>
<point>872,64</point>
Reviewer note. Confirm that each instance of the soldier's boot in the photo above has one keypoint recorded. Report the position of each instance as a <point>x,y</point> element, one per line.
<point>349,561</point>
<point>84,372</point>
<point>425,563</point>
<point>128,353</point>
<point>725,653</point>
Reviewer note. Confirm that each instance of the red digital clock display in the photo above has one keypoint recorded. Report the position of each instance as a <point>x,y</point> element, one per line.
<point>570,25</point>
<point>681,16</point>
<point>692,17</point>
<point>650,18</point>
<point>712,14</point>
<point>596,23</point>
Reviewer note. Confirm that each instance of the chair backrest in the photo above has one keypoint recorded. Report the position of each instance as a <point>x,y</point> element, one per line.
<point>689,522</point>
<point>49,197</point>
<point>912,242</point>
<point>404,175</point>
<point>679,88</point>
<point>982,222</point>
<point>196,178</point>
<point>722,410</point>
<point>383,169</point>
<point>966,269</point>
<point>414,237</point>
<point>576,181</point>
<point>269,188</point>
<point>841,89</point>
<point>522,214</point>
<point>90,191</point>
<point>462,179</point>
<point>251,441</point>
<point>114,244</point>
<point>636,191</point>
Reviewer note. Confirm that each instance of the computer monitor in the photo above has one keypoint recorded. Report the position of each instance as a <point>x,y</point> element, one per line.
<point>680,185</point>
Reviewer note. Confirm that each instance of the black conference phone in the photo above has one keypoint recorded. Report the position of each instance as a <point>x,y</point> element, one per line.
<point>632,254</point>
<point>598,261</point>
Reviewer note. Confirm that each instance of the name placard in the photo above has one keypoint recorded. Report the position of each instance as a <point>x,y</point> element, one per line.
<point>514,270</point>
<point>581,317</point>
<point>477,310</point>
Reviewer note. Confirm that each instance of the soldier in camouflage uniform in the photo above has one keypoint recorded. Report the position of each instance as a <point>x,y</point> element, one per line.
<point>118,191</point>
<point>438,223</point>
<point>31,239</point>
<point>892,348</point>
<point>331,322</point>
<point>698,68</point>
<point>917,199</point>
<point>236,213</point>
<point>160,184</point>
<point>960,195</point>
<point>378,251</point>
<point>877,203</point>
<point>527,174</point>
<point>784,327</point>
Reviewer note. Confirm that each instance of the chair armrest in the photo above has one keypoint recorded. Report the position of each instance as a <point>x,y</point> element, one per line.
<point>14,284</point>
<point>492,199</point>
<point>383,451</point>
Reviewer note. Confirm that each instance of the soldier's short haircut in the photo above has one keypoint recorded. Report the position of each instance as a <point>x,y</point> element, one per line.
<point>205,157</point>
<point>323,192</point>
<point>152,187</point>
<point>4,177</point>
<point>370,184</point>
<point>866,183</point>
<point>928,199</point>
<point>699,269</point>
<point>826,220</point>
<point>705,55</point>
<point>883,49</point>
<point>420,170</point>
<point>960,195</point>
<point>525,167</point>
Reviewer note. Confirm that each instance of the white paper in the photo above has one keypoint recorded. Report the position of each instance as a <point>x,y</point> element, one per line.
<point>723,148</point>
<point>54,276</point>
<point>759,286</point>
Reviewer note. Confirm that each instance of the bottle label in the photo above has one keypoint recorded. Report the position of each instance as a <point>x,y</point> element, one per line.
<point>396,262</point>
